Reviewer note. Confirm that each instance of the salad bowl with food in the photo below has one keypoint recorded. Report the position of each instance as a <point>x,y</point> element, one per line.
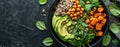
<point>78,23</point>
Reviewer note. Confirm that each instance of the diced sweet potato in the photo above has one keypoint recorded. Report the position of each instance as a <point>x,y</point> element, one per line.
<point>93,22</point>
<point>100,9</point>
<point>103,21</point>
<point>97,14</point>
<point>100,18</point>
<point>98,26</point>
<point>99,33</point>
<point>92,19</point>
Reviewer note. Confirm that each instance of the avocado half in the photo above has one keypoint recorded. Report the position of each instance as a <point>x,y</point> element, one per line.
<point>60,28</point>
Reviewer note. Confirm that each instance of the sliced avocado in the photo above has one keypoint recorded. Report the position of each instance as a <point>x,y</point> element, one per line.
<point>55,19</point>
<point>60,23</point>
<point>68,36</point>
<point>63,31</point>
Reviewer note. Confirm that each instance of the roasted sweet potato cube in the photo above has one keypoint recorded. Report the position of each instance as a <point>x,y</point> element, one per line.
<point>100,18</point>
<point>97,14</point>
<point>99,33</point>
<point>103,21</point>
<point>92,19</point>
<point>100,9</point>
<point>98,26</point>
<point>93,22</point>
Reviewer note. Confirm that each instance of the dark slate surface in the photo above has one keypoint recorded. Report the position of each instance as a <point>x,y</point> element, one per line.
<point>17,24</point>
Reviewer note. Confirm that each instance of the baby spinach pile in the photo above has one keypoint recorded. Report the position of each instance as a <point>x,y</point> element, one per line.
<point>88,6</point>
<point>83,34</point>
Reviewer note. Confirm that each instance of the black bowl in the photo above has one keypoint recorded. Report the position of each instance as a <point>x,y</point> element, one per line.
<point>95,40</point>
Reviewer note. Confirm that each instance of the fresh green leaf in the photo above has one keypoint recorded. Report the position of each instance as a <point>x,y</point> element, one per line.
<point>40,25</point>
<point>94,1</point>
<point>106,40</point>
<point>48,41</point>
<point>88,7</point>
<point>114,28</point>
<point>82,3</point>
<point>96,4</point>
<point>42,2</point>
<point>114,9</point>
<point>115,42</point>
<point>86,16</point>
<point>84,24</point>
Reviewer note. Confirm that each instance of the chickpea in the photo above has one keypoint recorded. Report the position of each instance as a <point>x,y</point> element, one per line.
<point>73,9</point>
<point>75,14</point>
<point>68,13</point>
<point>78,9</point>
<point>71,15</point>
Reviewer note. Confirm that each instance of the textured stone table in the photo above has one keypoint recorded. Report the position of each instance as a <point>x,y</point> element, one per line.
<point>17,24</point>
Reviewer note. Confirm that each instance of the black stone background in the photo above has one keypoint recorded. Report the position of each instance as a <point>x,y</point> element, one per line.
<point>17,24</point>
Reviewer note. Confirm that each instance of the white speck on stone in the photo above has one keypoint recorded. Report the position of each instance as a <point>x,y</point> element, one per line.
<point>43,10</point>
<point>44,14</point>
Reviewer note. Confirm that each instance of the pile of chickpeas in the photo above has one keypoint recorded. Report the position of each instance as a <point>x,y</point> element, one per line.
<point>75,11</point>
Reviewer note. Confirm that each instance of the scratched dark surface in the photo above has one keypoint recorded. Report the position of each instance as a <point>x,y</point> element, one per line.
<point>17,24</point>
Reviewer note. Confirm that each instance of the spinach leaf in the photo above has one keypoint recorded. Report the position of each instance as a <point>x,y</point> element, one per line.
<point>48,41</point>
<point>42,2</point>
<point>96,4</point>
<point>86,16</point>
<point>114,28</point>
<point>94,1</point>
<point>82,3</point>
<point>40,25</point>
<point>114,9</point>
<point>115,42</point>
<point>88,7</point>
<point>106,40</point>
<point>84,24</point>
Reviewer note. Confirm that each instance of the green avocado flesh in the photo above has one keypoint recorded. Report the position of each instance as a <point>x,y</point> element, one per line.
<point>60,28</point>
